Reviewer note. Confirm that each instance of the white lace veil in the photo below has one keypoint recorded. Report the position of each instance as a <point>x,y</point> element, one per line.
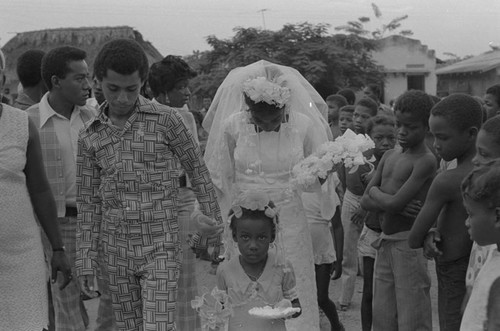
<point>229,99</point>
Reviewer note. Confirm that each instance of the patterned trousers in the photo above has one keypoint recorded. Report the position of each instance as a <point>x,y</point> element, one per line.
<point>68,306</point>
<point>143,265</point>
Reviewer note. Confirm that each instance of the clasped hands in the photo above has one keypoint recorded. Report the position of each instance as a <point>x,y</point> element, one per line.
<point>206,226</point>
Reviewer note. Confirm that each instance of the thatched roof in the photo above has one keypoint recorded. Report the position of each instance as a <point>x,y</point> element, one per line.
<point>90,39</point>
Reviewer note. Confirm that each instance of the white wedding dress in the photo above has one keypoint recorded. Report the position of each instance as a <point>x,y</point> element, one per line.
<point>247,159</point>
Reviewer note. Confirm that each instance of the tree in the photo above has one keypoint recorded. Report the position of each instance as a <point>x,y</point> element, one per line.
<point>358,27</point>
<point>326,61</point>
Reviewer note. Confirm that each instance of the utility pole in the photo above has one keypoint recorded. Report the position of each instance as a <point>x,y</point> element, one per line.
<point>263,18</point>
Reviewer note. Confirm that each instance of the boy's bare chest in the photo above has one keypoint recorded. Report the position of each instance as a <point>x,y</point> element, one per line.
<point>398,169</point>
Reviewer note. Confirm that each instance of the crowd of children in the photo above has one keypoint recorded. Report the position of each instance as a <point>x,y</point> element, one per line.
<point>431,191</point>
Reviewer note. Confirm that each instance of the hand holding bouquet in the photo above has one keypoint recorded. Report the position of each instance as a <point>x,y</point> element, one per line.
<point>214,309</point>
<point>347,149</point>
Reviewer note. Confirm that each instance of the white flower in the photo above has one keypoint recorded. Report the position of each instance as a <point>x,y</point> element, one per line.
<point>260,89</point>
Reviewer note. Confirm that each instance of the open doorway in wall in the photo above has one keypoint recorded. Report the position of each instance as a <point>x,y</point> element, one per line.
<point>416,82</point>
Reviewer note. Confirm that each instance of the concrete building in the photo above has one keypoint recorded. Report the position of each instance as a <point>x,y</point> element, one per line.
<point>407,64</point>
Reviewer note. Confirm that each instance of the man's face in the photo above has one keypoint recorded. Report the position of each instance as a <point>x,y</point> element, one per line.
<point>121,91</point>
<point>75,86</point>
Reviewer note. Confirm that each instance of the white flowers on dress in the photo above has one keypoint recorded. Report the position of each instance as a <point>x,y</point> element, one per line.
<point>260,89</point>
<point>347,149</point>
<point>214,309</point>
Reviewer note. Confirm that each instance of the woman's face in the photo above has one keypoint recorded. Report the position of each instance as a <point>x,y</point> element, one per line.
<point>179,95</point>
<point>267,120</point>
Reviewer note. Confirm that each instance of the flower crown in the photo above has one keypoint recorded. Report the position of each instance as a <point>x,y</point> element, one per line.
<point>253,200</point>
<point>260,89</point>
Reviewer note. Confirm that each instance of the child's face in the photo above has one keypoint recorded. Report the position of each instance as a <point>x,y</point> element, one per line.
<point>345,121</point>
<point>486,149</point>
<point>491,105</point>
<point>411,129</point>
<point>253,237</point>
<point>449,142</point>
<point>360,118</point>
<point>384,137</point>
<point>482,221</point>
<point>333,111</point>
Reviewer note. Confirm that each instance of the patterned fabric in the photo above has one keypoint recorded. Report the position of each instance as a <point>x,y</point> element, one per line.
<point>186,317</point>
<point>67,307</point>
<point>127,181</point>
<point>22,270</point>
<point>67,303</point>
<point>52,154</point>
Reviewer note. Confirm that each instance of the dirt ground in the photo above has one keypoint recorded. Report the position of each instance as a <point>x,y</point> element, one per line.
<point>351,318</point>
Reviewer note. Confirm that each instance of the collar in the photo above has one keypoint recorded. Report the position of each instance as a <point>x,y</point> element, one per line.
<point>142,105</point>
<point>47,112</point>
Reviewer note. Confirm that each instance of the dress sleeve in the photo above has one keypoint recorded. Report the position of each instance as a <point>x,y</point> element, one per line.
<point>188,152</point>
<point>221,164</point>
<point>89,210</point>
<point>288,285</point>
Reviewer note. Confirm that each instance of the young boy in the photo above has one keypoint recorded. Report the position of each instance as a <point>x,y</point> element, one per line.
<point>454,122</point>
<point>382,130</point>
<point>345,118</point>
<point>492,100</point>
<point>481,197</point>
<point>335,102</point>
<point>127,196</point>
<point>401,298</point>
<point>352,215</point>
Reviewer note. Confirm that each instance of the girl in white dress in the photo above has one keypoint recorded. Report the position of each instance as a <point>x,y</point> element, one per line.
<point>265,120</point>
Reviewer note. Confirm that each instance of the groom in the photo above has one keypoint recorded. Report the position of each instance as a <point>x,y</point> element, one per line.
<point>128,180</point>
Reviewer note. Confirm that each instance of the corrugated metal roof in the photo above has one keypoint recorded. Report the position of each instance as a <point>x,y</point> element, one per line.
<point>481,63</point>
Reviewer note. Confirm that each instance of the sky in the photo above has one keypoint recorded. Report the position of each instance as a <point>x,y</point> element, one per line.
<point>179,27</point>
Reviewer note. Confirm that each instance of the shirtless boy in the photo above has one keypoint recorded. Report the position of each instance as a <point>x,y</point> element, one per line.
<point>401,298</point>
<point>454,122</point>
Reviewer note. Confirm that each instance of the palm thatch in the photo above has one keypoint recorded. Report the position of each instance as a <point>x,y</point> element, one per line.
<point>90,39</point>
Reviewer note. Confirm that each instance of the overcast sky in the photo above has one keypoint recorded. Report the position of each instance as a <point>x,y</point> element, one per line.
<point>462,27</point>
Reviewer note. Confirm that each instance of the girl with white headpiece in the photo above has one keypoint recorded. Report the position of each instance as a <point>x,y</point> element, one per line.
<point>264,119</point>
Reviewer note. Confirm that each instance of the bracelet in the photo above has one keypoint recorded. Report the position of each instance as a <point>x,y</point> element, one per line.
<point>59,249</point>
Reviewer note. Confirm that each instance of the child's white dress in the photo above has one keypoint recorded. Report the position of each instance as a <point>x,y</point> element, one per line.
<point>475,313</point>
<point>276,283</point>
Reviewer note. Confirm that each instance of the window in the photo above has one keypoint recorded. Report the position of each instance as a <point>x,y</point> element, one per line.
<point>416,82</point>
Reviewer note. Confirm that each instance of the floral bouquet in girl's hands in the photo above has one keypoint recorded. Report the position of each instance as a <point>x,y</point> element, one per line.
<point>214,309</point>
<point>347,149</point>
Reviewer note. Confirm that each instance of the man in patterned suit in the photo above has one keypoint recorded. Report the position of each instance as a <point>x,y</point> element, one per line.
<point>128,179</point>
<point>59,117</point>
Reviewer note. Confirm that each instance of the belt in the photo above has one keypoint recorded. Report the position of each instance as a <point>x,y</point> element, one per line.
<point>182,181</point>
<point>71,212</point>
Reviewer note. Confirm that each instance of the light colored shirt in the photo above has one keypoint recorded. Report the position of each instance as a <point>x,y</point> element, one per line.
<point>67,133</point>
<point>59,140</point>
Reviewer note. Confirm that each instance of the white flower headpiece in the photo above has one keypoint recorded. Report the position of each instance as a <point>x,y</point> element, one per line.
<point>260,89</point>
<point>253,200</point>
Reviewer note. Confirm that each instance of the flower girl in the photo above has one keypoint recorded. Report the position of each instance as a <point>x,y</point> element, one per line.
<point>259,281</point>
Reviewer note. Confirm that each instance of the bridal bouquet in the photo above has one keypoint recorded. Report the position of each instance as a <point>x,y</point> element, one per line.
<point>347,149</point>
<point>214,309</point>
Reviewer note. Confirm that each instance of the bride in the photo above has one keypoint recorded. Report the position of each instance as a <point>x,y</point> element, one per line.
<point>264,119</point>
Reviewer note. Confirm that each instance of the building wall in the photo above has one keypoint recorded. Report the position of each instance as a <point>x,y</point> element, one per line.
<point>400,57</point>
<point>474,84</point>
